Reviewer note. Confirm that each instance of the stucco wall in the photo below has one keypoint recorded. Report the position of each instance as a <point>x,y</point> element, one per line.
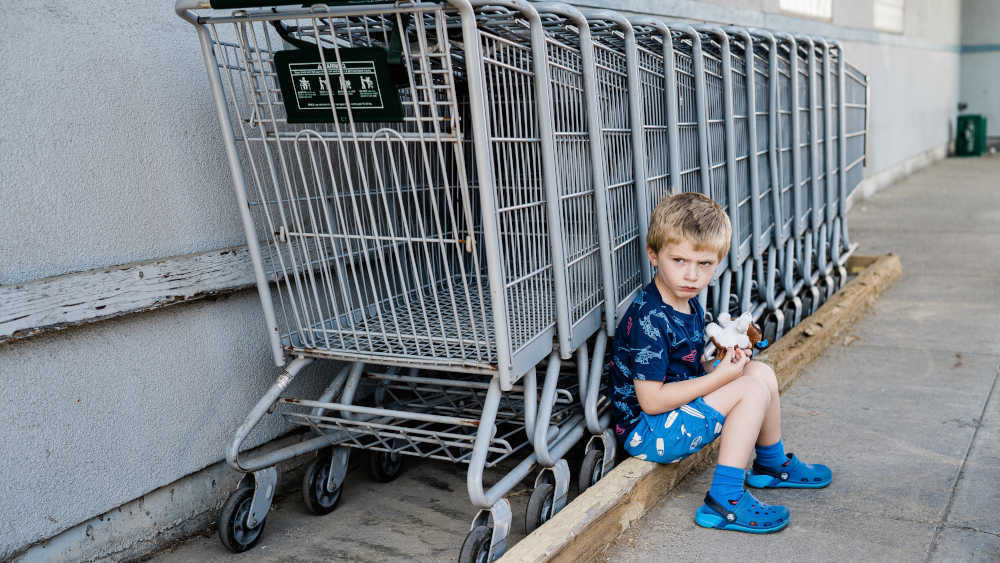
<point>100,415</point>
<point>109,145</point>
<point>913,100</point>
<point>110,152</point>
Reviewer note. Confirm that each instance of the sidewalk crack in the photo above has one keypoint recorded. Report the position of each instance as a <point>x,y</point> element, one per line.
<point>972,529</point>
<point>961,471</point>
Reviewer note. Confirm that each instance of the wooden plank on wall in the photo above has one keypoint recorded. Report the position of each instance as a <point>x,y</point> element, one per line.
<point>80,298</point>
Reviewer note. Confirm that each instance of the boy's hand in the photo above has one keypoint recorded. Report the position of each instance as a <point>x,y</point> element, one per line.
<point>732,365</point>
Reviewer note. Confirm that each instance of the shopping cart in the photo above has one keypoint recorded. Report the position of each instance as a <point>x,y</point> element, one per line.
<point>788,165</point>
<point>774,253</point>
<point>573,75</point>
<point>692,129</point>
<point>396,237</point>
<point>654,48</point>
<point>802,58</point>
<point>758,205</point>
<point>565,70</point>
<point>853,93</point>
<point>856,93</point>
<point>721,165</point>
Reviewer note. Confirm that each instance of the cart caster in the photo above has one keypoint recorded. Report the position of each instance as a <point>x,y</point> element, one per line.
<point>384,466</point>
<point>316,493</point>
<point>549,496</point>
<point>774,326</point>
<point>831,287</point>
<point>540,505</point>
<point>591,470</point>
<point>476,547</point>
<point>599,459</point>
<point>793,312</point>
<point>487,539</point>
<point>841,277</point>
<point>810,300</point>
<point>817,299</point>
<point>234,530</point>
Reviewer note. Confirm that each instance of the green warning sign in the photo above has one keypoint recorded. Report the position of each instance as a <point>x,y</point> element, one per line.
<point>358,84</point>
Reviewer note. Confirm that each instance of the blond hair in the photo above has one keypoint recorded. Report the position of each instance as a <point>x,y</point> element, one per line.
<point>693,217</point>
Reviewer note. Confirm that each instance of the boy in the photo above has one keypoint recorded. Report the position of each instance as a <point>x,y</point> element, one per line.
<point>668,407</point>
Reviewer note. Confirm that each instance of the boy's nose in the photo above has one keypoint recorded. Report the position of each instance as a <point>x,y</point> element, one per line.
<point>690,273</point>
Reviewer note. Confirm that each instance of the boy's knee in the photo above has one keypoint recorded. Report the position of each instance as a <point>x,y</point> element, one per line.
<point>752,387</point>
<point>763,373</point>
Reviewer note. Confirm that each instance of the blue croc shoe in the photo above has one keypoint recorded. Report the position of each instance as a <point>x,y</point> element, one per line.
<point>792,474</point>
<point>747,515</point>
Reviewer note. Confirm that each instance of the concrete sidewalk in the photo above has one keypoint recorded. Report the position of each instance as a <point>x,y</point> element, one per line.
<point>905,409</point>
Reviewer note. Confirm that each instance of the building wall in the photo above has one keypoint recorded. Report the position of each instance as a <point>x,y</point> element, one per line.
<point>980,78</point>
<point>110,152</point>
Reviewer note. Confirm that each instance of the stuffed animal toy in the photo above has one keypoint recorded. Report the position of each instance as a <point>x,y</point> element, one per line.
<point>740,332</point>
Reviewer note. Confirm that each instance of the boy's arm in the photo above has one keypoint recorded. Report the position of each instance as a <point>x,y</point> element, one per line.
<point>656,397</point>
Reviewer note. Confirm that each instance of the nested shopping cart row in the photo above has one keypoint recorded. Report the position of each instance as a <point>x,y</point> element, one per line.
<point>752,115</point>
<point>452,196</point>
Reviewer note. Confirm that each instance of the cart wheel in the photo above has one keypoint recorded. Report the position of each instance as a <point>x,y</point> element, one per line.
<point>476,547</point>
<point>539,507</point>
<point>384,466</point>
<point>807,304</point>
<point>789,311</point>
<point>769,331</point>
<point>318,500</point>
<point>591,470</point>
<point>233,529</point>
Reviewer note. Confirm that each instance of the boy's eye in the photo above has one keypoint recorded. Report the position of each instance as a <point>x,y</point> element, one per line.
<point>706,264</point>
<point>679,260</point>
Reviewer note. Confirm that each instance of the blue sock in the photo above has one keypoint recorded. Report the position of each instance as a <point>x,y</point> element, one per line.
<point>727,483</point>
<point>772,456</point>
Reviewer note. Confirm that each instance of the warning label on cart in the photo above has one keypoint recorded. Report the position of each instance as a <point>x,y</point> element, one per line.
<point>356,85</point>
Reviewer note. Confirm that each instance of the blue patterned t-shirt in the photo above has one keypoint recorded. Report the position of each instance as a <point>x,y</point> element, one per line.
<point>653,342</point>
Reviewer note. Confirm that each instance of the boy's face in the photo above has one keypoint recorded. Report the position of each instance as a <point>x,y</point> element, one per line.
<point>681,271</point>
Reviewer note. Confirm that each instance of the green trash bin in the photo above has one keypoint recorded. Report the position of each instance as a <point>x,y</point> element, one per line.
<point>971,139</point>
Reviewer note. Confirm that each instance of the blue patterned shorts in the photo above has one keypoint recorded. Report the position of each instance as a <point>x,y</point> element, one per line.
<point>673,435</point>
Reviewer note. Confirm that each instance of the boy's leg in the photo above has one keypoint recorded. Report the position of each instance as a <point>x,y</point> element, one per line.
<point>770,428</point>
<point>772,466</point>
<point>752,407</point>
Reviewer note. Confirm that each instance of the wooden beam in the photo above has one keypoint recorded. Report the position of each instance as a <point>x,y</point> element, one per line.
<point>81,298</point>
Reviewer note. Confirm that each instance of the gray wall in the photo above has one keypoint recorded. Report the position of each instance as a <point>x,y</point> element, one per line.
<point>980,79</point>
<point>109,147</point>
<point>110,152</point>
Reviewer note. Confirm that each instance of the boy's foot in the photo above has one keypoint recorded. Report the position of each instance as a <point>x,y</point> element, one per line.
<point>747,515</point>
<point>793,474</point>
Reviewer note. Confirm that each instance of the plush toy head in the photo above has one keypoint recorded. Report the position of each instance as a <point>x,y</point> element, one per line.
<point>739,332</point>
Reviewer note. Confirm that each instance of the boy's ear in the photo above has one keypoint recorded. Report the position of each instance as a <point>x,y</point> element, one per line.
<point>652,255</point>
